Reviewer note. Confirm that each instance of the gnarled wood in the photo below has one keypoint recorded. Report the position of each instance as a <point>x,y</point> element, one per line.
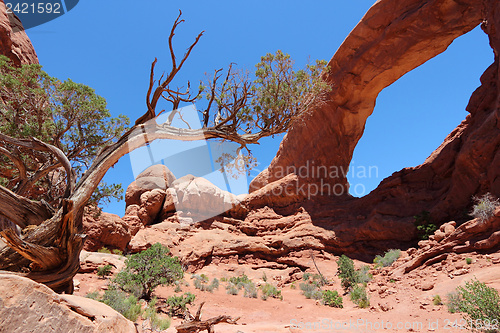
<point>197,325</point>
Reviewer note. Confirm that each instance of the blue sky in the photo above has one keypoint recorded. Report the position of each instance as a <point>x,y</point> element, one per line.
<point>109,45</point>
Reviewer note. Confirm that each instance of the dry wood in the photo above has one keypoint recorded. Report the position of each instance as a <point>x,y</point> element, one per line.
<point>197,325</point>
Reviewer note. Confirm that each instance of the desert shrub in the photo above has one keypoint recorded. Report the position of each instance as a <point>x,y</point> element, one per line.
<point>306,276</point>
<point>232,289</point>
<point>453,302</point>
<point>388,258</point>
<point>177,304</point>
<point>436,300</point>
<point>93,295</point>
<point>347,274</point>
<point>268,290</point>
<point>250,290</point>
<point>468,261</point>
<point>156,322</point>
<point>425,226</point>
<point>319,280</point>
<point>123,303</point>
<point>360,297</point>
<point>239,281</point>
<point>332,298</point>
<point>484,207</point>
<point>479,303</point>
<point>363,276</point>
<point>293,285</point>
<point>148,269</point>
<point>104,250</point>
<point>264,277</point>
<point>310,291</point>
<point>201,283</point>
<point>214,284</point>
<point>104,270</point>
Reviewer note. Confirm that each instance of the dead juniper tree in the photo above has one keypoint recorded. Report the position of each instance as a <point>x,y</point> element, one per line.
<point>238,109</point>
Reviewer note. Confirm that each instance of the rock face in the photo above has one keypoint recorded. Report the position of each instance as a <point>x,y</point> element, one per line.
<point>26,306</point>
<point>14,43</point>
<point>105,230</point>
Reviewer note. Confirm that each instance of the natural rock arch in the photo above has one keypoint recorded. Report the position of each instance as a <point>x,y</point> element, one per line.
<point>393,38</point>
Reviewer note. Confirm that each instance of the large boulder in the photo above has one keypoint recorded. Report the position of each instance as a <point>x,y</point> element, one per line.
<point>155,177</point>
<point>26,306</point>
<point>105,230</point>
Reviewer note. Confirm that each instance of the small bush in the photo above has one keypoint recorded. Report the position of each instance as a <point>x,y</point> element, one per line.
<point>424,225</point>
<point>93,295</point>
<point>359,297</point>
<point>484,207</point>
<point>363,276</point>
<point>319,280</point>
<point>388,258</point>
<point>177,304</point>
<point>240,281</point>
<point>201,283</point>
<point>156,322</point>
<point>310,291</point>
<point>332,298</point>
<point>346,272</point>
<point>148,269</point>
<point>123,303</point>
<point>268,290</point>
<point>264,277</point>
<point>104,270</point>
<point>468,261</point>
<point>117,252</point>
<point>231,289</point>
<point>250,290</point>
<point>479,303</point>
<point>104,250</point>
<point>436,300</point>
<point>293,285</point>
<point>306,276</point>
<point>453,303</point>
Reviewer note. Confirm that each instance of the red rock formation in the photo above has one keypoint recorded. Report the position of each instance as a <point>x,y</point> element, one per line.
<point>393,38</point>
<point>278,223</point>
<point>14,43</point>
<point>105,230</point>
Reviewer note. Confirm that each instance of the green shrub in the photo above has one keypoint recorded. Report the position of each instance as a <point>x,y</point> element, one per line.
<point>310,291</point>
<point>93,295</point>
<point>468,261</point>
<point>479,303</point>
<point>347,274</point>
<point>104,250</point>
<point>306,276</point>
<point>148,269</point>
<point>201,283</point>
<point>359,296</point>
<point>123,303</point>
<point>240,281</point>
<point>425,226</point>
<point>156,322</point>
<point>332,298</point>
<point>104,270</point>
<point>231,289</point>
<point>388,258</point>
<point>363,276</point>
<point>250,290</point>
<point>319,280</point>
<point>264,277</point>
<point>117,252</point>
<point>177,304</point>
<point>484,207</point>
<point>293,285</point>
<point>268,290</point>
<point>453,303</point>
<point>436,300</point>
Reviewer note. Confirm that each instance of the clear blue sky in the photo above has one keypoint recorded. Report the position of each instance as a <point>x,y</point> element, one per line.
<point>109,45</point>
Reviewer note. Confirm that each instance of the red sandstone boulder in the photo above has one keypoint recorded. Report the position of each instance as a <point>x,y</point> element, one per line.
<point>105,230</point>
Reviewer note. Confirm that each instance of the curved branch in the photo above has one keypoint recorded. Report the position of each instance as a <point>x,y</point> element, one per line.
<point>17,162</point>
<point>22,211</point>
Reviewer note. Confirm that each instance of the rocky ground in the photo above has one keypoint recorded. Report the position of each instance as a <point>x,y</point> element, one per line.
<point>404,302</point>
